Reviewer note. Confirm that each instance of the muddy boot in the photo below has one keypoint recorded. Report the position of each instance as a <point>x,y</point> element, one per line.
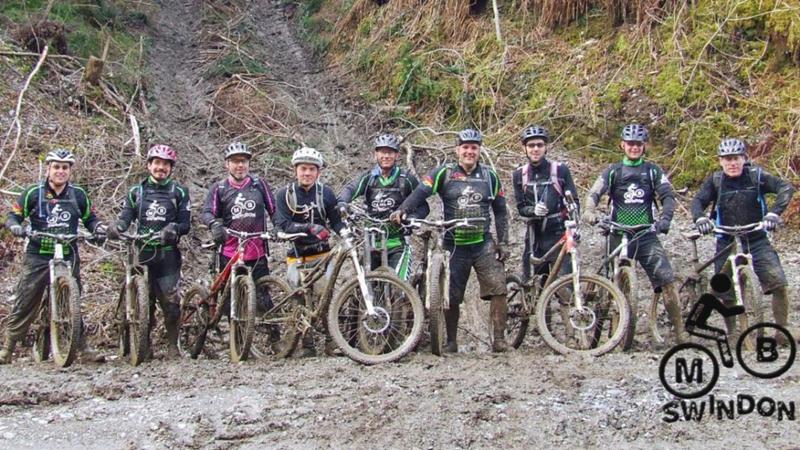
<point>8,350</point>
<point>90,355</point>
<point>780,310</point>
<point>673,306</point>
<point>331,349</point>
<point>451,324</point>
<point>498,310</point>
<point>172,339</point>
<point>307,349</point>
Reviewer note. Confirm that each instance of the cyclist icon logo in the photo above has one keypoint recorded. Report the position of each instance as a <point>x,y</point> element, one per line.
<point>156,212</point>
<point>634,194</point>
<point>242,208</point>
<point>682,368</point>
<point>382,202</point>
<point>58,218</point>
<point>469,198</point>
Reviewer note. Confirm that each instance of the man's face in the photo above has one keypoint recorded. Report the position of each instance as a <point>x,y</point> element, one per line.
<point>732,165</point>
<point>385,157</point>
<point>535,148</point>
<point>468,153</point>
<point>238,166</point>
<point>160,169</point>
<point>58,173</point>
<point>307,174</point>
<point>633,149</point>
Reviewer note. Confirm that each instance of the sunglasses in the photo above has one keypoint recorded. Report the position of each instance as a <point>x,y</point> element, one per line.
<point>535,144</point>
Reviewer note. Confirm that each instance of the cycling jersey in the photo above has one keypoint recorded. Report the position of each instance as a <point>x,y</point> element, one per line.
<point>53,213</point>
<point>296,216</point>
<point>243,207</point>
<point>465,195</point>
<point>383,195</point>
<point>154,205</point>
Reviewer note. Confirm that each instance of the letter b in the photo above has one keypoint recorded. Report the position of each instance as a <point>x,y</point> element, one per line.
<point>766,349</point>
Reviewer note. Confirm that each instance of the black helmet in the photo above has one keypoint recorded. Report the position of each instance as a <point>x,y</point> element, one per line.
<point>534,131</point>
<point>634,132</point>
<point>729,147</point>
<point>387,140</point>
<point>469,135</point>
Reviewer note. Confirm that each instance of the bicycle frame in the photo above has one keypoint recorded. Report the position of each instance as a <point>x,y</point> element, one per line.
<point>619,257</point>
<point>235,267</point>
<point>57,265</point>
<point>132,264</point>
<point>739,257</point>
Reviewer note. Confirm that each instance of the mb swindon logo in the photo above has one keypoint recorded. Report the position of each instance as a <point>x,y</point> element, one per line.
<point>689,371</point>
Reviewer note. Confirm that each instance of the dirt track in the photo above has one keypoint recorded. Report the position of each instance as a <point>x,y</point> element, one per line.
<point>530,398</point>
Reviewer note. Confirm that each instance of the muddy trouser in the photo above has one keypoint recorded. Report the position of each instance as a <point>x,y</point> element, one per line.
<point>164,273</point>
<point>766,264</point>
<point>398,258</point>
<point>650,254</point>
<point>30,292</point>
<point>544,242</point>
<point>481,257</point>
<point>258,268</point>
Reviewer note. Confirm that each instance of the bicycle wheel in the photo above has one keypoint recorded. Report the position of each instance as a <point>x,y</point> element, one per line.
<point>753,313</point>
<point>394,327</point>
<point>243,319</point>
<point>593,330</point>
<point>518,316</point>
<point>275,333</point>
<point>65,320</point>
<point>436,287</point>
<point>626,281</point>
<point>121,325</point>
<point>195,317</point>
<point>139,322</point>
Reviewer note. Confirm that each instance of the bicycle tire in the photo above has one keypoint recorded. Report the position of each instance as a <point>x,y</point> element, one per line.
<point>120,324</point>
<point>241,328</point>
<point>41,344</point>
<point>602,301</point>
<point>436,321</point>
<point>753,313</point>
<point>195,317</point>
<point>65,321</point>
<point>275,330</point>
<point>518,317</point>
<point>626,281</point>
<point>393,327</point>
<point>139,325</point>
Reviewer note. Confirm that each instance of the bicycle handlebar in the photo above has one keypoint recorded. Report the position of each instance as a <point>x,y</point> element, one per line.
<point>738,230</point>
<point>445,224</point>
<point>66,238</point>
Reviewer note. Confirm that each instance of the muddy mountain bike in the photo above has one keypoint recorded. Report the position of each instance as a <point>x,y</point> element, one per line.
<point>373,318</point>
<point>576,312</point>
<point>132,311</point>
<point>232,294</point>
<point>57,329</point>
<point>620,267</point>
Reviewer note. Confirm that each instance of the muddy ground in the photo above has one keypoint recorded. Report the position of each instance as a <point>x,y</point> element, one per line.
<point>528,398</point>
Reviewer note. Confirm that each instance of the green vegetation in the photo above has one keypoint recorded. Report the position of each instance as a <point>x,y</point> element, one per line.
<point>694,72</point>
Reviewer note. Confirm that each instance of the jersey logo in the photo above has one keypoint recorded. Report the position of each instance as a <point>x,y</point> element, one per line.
<point>58,218</point>
<point>382,202</point>
<point>469,198</point>
<point>156,212</point>
<point>634,194</point>
<point>242,208</point>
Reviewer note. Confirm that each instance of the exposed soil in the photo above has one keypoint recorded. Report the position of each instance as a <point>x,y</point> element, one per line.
<point>528,398</point>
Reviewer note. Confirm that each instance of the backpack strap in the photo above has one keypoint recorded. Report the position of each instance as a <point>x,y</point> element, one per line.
<point>554,177</point>
<point>291,199</point>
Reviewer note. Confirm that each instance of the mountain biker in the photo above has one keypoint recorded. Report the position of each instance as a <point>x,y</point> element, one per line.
<point>633,186</point>
<point>160,205</point>
<point>307,206</point>
<point>539,187</point>
<point>53,206</point>
<point>240,202</point>
<point>469,189</point>
<point>737,192</point>
<point>384,188</point>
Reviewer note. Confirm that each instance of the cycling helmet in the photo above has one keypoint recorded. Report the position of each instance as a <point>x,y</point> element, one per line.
<point>161,151</point>
<point>238,148</point>
<point>60,155</point>
<point>534,131</point>
<point>469,135</point>
<point>634,132</point>
<point>387,140</point>
<point>307,155</point>
<point>729,147</point>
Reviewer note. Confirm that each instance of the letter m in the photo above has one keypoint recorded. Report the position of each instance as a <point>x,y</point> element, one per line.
<point>682,370</point>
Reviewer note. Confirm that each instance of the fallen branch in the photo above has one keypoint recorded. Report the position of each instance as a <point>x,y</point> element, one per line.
<point>137,142</point>
<point>16,122</point>
<point>102,111</point>
<point>9,53</point>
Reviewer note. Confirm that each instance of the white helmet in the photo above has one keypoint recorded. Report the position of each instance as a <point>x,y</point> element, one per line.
<point>307,155</point>
<point>60,155</point>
